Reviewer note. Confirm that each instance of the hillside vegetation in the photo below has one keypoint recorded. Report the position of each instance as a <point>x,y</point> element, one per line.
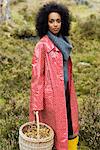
<point>17,41</point>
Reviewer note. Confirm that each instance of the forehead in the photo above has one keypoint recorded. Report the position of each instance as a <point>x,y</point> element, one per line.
<point>54,15</point>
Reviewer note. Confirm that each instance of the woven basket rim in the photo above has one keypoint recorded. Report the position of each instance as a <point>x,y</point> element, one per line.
<point>33,139</point>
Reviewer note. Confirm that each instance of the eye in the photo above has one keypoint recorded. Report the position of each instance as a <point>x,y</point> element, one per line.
<point>51,21</point>
<point>58,20</point>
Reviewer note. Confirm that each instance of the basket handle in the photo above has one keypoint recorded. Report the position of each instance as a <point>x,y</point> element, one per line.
<point>37,123</point>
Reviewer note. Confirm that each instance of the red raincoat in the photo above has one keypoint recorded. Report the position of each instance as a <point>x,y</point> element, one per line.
<point>48,93</point>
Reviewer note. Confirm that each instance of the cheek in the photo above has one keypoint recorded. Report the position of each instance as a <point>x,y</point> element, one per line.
<point>49,26</point>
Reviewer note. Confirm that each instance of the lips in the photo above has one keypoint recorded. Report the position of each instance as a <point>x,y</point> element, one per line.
<point>56,29</point>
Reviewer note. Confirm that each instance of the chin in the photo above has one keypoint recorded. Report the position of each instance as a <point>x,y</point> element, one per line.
<point>55,32</point>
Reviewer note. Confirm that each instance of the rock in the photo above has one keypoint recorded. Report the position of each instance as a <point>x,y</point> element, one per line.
<point>85,64</point>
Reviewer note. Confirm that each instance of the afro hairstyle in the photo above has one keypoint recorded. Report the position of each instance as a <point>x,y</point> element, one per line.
<point>42,18</point>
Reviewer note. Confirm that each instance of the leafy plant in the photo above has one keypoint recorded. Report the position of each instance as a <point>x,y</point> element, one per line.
<point>89,122</point>
<point>90,27</point>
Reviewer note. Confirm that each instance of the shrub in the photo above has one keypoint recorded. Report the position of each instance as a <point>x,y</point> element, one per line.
<point>14,2</point>
<point>90,27</point>
<point>15,60</point>
<point>24,32</point>
<point>89,122</point>
<point>13,115</point>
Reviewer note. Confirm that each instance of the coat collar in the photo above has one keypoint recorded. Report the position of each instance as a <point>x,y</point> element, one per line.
<point>49,44</point>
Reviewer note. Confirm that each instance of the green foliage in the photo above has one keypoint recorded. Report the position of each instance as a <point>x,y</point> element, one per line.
<point>90,27</point>
<point>89,121</point>
<point>15,60</point>
<point>86,69</point>
<point>15,2</point>
<point>15,66</point>
<point>24,31</point>
<point>13,115</point>
<point>17,18</point>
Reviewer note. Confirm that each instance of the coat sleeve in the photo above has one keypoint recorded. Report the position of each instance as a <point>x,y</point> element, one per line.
<point>37,82</point>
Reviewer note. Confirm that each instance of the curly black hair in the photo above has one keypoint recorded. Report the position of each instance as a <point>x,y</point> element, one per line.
<point>42,18</point>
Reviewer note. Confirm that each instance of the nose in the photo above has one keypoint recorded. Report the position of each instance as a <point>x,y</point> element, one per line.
<point>55,24</point>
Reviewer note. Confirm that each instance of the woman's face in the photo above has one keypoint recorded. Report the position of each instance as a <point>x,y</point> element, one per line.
<point>54,22</point>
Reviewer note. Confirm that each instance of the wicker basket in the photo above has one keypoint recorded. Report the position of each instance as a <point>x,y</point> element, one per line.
<point>27,143</point>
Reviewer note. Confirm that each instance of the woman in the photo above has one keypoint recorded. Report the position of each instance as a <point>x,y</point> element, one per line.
<point>52,88</point>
